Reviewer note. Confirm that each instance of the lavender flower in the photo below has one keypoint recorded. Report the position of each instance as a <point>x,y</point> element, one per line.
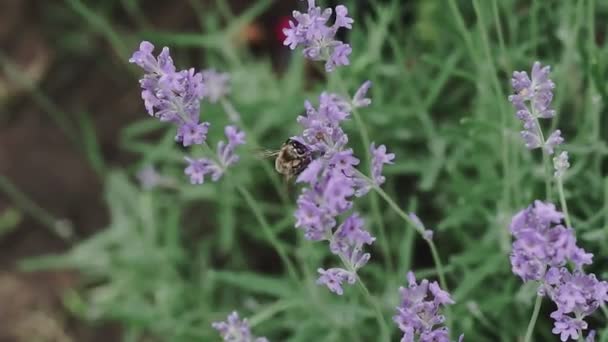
<point>576,295</point>
<point>532,100</point>
<point>216,85</point>
<point>541,241</point>
<point>197,169</point>
<point>379,158</point>
<point>312,31</point>
<point>418,316</point>
<point>333,182</point>
<point>561,164</point>
<point>172,95</point>
<point>359,99</point>
<point>150,178</point>
<point>236,330</point>
<point>334,277</point>
<point>349,239</point>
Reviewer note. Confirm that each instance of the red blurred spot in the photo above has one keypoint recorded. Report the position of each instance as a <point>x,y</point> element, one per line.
<point>282,24</point>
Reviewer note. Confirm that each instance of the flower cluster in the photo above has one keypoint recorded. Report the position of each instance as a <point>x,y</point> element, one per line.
<point>541,250</point>
<point>576,295</point>
<point>532,100</point>
<point>541,241</point>
<point>236,330</point>
<point>311,30</point>
<point>418,316</point>
<point>171,95</point>
<point>333,182</point>
<point>561,164</point>
<point>175,96</point>
<point>198,168</point>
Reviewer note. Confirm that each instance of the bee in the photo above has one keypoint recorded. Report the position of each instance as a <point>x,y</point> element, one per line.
<point>292,158</point>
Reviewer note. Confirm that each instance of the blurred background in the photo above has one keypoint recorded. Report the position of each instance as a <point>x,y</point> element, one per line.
<point>74,136</point>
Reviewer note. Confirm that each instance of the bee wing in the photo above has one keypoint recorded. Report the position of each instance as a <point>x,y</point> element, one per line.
<point>266,154</point>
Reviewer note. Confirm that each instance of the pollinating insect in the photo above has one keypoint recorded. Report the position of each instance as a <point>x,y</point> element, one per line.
<point>293,158</point>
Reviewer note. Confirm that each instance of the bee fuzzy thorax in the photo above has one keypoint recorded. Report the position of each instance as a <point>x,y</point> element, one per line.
<point>292,158</point>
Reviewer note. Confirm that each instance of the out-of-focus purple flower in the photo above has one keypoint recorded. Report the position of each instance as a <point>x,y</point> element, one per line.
<point>360,99</point>
<point>312,31</point>
<point>197,169</point>
<point>150,178</point>
<point>216,85</point>
<point>561,164</point>
<point>236,330</point>
<point>379,158</point>
<point>541,241</point>
<point>532,99</point>
<point>419,315</point>
<point>339,57</point>
<point>427,234</point>
<point>576,295</point>
<point>192,134</point>
<point>171,95</point>
<point>554,139</point>
<point>333,278</point>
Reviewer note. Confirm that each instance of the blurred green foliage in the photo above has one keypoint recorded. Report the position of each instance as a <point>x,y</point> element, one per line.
<point>174,260</point>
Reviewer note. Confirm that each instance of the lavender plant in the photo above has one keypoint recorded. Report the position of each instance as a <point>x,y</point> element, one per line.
<point>543,247</point>
<point>175,257</point>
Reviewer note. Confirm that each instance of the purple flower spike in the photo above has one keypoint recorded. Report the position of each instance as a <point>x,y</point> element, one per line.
<point>554,139</point>
<point>332,183</point>
<point>334,277</point>
<point>216,85</point>
<point>312,31</point>
<point>541,241</point>
<point>197,169</point>
<point>379,158</point>
<point>532,100</point>
<point>170,95</point>
<point>360,99</point>
<point>419,316</point>
<point>349,239</point>
<point>236,330</point>
<point>541,250</point>
<point>561,163</point>
<point>576,295</point>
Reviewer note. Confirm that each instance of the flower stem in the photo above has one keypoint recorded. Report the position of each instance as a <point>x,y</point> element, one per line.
<point>235,117</point>
<point>270,235</point>
<point>368,296</point>
<point>379,317</point>
<point>408,220</point>
<point>546,161</point>
<point>533,319</point>
<point>364,135</point>
<point>562,200</point>
<point>62,228</point>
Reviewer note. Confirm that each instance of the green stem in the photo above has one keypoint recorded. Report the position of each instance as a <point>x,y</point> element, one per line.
<point>379,317</point>
<point>546,161</point>
<point>562,200</point>
<point>234,116</point>
<point>420,230</point>
<point>373,302</point>
<point>270,235</point>
<point>533,319</point>
<point>61,228</point>
<point>364,136</point>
